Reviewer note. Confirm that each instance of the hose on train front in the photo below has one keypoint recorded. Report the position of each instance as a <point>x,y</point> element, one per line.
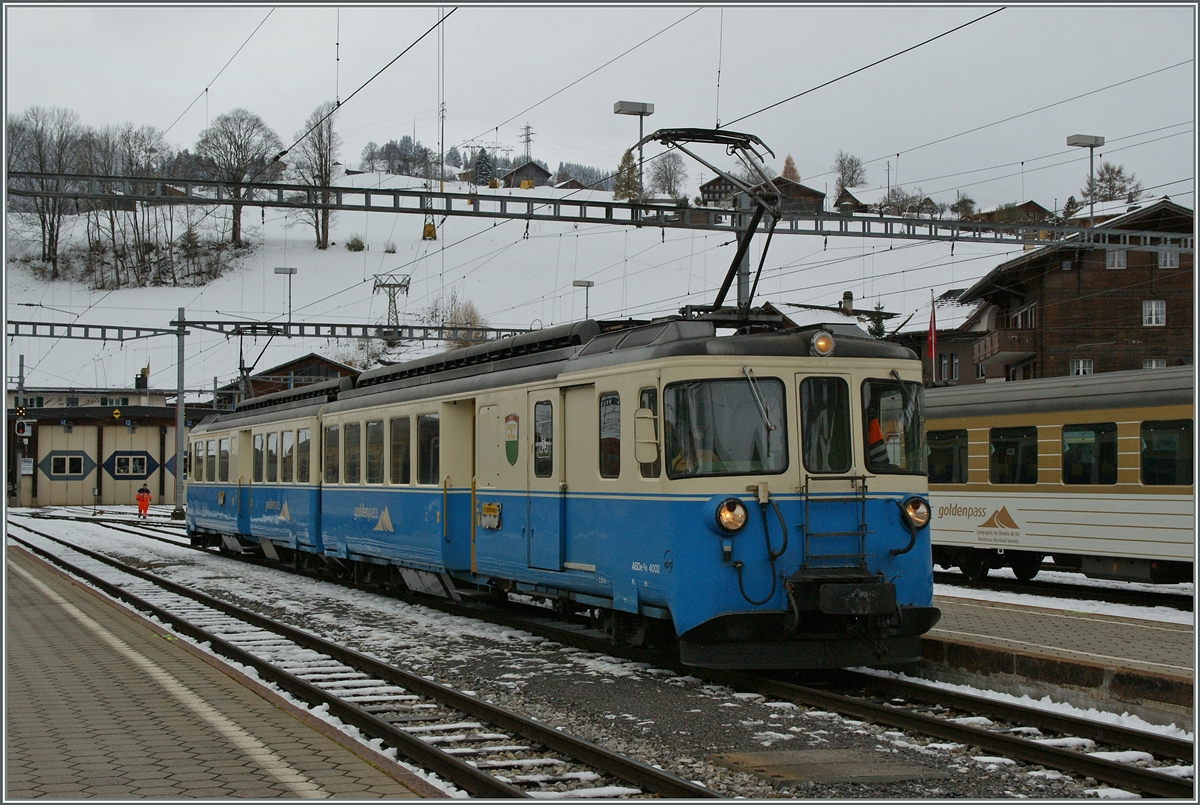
<point>772,554</point>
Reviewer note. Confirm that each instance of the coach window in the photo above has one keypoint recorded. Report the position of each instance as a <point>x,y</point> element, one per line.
<point>1166,448</point>
<point>258,458</point>
<point>223,461</point>
<point>198,461</point>
<point>374,452</point>
<point>211,472</point>
<point>401,433</point>
<point>286,455</point>
<point>332,451</point>
<point>543,439</point>
<point>303,451</point>
<point>353,454</point>
<point>825,424</point>
<point>610,435</point>
<point>648,398</point>
<point>428,447</point>
<point>1089,453</point>
<point>947,456</point>
<point>272,457</point>
<point>1013,456</point>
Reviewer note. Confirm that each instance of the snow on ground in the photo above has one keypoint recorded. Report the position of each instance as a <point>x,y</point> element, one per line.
<point>519,274</point>
<point>424,632</point>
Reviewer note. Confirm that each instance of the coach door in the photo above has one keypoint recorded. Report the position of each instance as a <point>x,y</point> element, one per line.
<point>547,481</point>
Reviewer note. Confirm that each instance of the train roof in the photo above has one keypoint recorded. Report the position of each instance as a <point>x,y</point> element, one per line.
<point>1173,385</point>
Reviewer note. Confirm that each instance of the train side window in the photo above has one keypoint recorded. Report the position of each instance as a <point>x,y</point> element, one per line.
<point>258,458</point>
<point>287,444</point>
<point>1089,453</point>
<point>1013,458</point>
<point>223,462</point>
<point>211,464</point>
<point>648,398</point>
<point>353,454</point>
<point>401,456</point>
<point>374,452</point>
<point>825,424</point>
<point>543,439</point>
<point>303,448</point>
<point>198,461</point>
<point>332,452</point>
<point>610,435</point>
<point>272,457</point>
<point>428,447</point>
<point>947,456</point>
<point>1166,448</point>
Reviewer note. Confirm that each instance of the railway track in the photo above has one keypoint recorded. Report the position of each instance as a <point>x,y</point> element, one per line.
<point>918,709</point>
<point>481,748</point>
<point>1079,592</point>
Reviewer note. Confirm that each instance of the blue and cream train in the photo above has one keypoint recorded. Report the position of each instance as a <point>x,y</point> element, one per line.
<point>660,478</point>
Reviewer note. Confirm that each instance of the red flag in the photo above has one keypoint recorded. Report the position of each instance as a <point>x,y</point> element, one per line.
<point>931,339</point>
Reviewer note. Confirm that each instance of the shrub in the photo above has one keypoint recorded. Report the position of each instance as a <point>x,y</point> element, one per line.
<point>355,244</point>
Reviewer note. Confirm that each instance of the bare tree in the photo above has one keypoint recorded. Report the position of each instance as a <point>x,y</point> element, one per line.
<point>369,159</point>
<point>455,312</point>
<point>1112,184</point>
<point>239,147</point>
<point>313,159</point>
<point>46,140</point>
<point>850,172</point>
<point>668,174</point>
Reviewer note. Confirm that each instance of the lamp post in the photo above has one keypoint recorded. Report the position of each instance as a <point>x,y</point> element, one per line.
<point>642,110</point>
<point>586,285</point>
<point>289,272</point>
<point>1090,142</point>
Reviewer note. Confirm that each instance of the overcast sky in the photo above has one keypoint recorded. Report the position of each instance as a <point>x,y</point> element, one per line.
<point>500,68</point>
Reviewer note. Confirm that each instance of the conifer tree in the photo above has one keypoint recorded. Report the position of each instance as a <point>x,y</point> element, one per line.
<point>789,169</point>
<point>483,167</point>
<point>626,183</point>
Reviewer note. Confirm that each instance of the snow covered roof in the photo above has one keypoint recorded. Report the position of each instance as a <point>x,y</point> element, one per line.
<point>950,313</point>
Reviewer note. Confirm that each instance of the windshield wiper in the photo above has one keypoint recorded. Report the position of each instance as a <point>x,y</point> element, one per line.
<point>758,398</point>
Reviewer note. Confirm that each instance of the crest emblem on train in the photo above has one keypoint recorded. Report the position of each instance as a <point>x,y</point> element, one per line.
<point>1001,519</point>
<point>510,438</point>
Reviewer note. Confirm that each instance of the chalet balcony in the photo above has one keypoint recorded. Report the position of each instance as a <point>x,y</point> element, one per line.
<point>1006,346</point>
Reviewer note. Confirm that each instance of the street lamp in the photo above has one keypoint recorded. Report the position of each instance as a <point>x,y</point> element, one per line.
<point>642,110</point>
<point>289,272</point>
<point>586,285</point>
<point>1090,142</point>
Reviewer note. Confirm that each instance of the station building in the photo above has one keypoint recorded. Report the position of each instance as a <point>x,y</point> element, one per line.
<point>91,446</point>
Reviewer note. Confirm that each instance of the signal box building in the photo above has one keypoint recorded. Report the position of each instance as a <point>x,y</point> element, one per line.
<point>90,446</point>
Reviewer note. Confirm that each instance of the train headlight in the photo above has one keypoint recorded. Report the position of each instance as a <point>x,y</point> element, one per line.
<point>731,515</point>
<point>915,512</point>
<point>822,344</point>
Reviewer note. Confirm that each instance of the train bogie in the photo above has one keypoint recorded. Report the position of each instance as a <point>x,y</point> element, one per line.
<point>762,503</point>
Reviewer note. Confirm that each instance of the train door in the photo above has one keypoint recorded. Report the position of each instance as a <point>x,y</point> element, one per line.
<point>546,478</point>
<point>833,520</point>
<point>455,445</point>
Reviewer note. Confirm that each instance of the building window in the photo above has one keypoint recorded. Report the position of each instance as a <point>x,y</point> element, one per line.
<point>954,367</point>
<point>980,371</point>
<point>1081,366</point>
<point>1154,313</point>
<point>1168,259</point>
<point>1024,319</point>
<point>72,402</point>
<point>66,465</point>
<point>945,362</point>
<point>1066,265</point>
<point>1154,363</point>
<point>1115,258</point>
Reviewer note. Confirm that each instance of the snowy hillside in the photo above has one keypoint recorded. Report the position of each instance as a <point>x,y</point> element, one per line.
<point>516,275</point>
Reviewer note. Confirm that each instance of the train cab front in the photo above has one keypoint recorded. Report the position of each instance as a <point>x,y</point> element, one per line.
<point>822,565</point>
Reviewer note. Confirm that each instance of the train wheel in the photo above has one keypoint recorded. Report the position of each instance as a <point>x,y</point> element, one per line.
<point>973,567</point>
<point>1026,565</point>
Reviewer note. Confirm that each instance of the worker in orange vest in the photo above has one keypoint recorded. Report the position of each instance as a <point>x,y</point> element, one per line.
<point>877,456</point>
<point>143,501</point>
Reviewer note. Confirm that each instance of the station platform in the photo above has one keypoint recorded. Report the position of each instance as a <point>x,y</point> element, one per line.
<point>102,703</point>
<point>1146,668</point>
